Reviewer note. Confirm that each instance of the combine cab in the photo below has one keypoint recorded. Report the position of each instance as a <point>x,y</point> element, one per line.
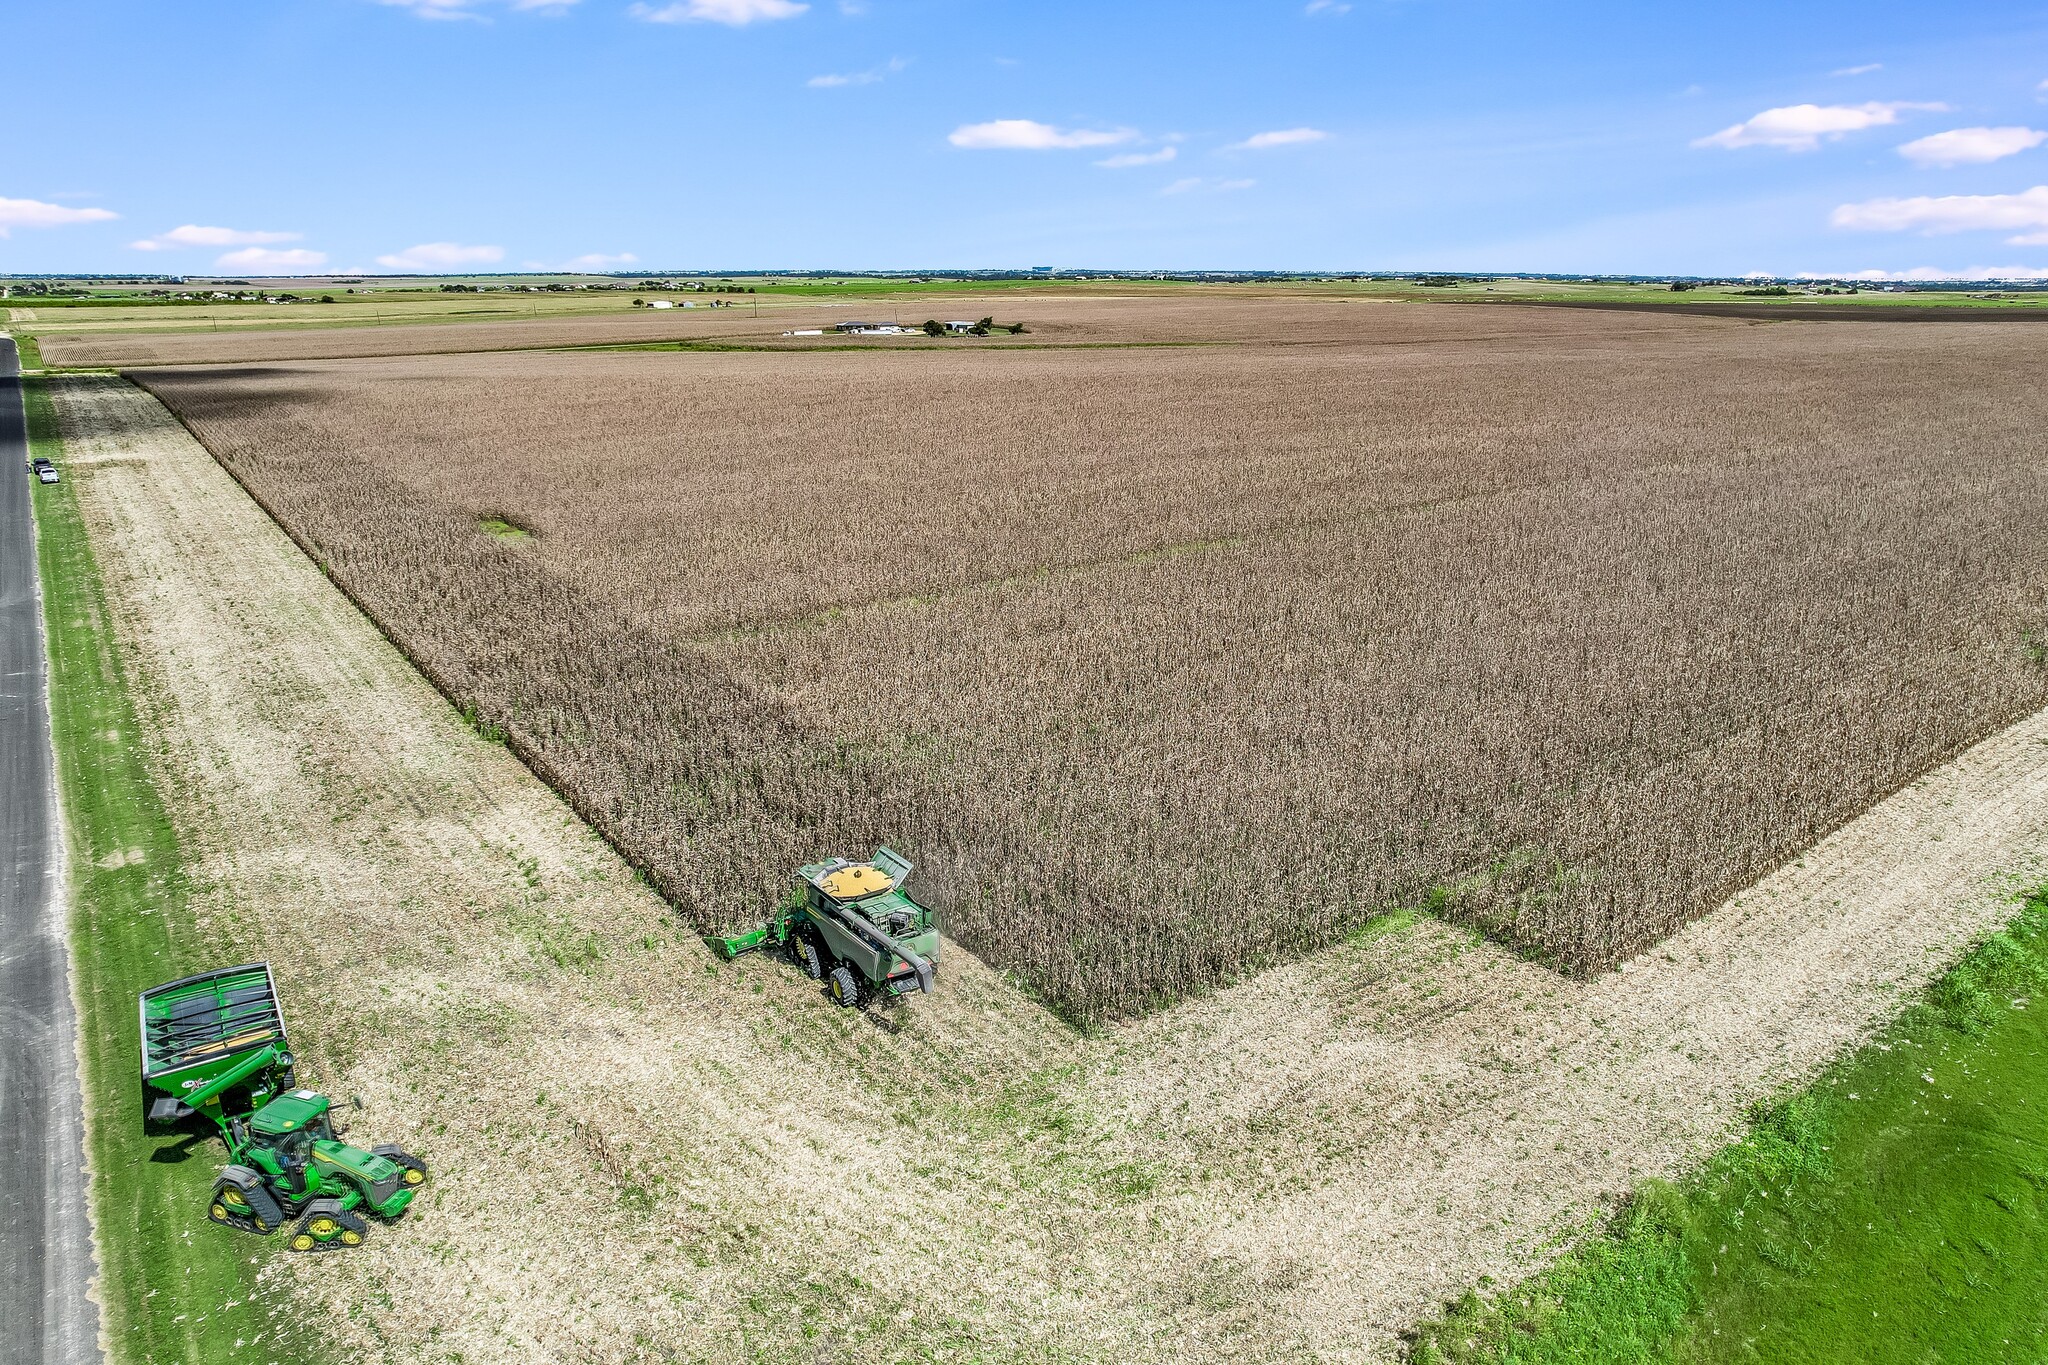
<point>213,1047</point>
<point>854,927</point>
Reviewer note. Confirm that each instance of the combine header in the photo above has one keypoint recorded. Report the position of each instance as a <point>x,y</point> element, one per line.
<point>213,1046</point>
<point>852,926</point>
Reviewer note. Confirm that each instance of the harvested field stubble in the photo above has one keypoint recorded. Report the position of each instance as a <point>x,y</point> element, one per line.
<point>623,328</point>
<point>1053,321</point>
<point>1167,665</point>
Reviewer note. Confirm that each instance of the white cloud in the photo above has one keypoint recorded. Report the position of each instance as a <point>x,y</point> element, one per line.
<point>264,258</point>
<point>1190,184</point>
<point>1930,272</point>
<point>1863,70</point>
<point>35,213</point>
<point>733,12</point>
<point>1971,146</point>
<point>598,260</point>
<point>1329,7</point>
<point>1801,127</point>
<point>868,77</point>
<point>2025,213</point>
<point>467,9</point>
<point>1023,134</point>
<point>1284,137</point>
<point>1123,159</point>
<point>430,256</point>
<point>191,234</point>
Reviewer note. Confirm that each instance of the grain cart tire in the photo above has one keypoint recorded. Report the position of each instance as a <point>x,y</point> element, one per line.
<point>846,990</point>
<point>240,1201</point>
<point>412,1172</point>
<point>810,955</point>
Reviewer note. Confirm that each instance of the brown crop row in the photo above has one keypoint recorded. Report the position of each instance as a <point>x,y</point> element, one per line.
<point>1169,663</point>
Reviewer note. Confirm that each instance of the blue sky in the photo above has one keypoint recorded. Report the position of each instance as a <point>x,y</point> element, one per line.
<point>295,136</point>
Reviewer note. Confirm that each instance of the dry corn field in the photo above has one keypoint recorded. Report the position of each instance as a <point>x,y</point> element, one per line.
<point>1168,664</point>
<point>644,1156</point>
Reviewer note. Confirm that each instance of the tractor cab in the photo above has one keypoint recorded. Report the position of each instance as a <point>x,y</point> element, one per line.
<point>292,1121</point>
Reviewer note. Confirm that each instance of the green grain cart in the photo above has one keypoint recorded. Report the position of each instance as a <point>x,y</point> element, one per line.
<point>852,926</point>
<point>213,1046</point>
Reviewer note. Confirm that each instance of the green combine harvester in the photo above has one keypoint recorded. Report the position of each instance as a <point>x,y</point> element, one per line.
<point>852,926</point>
<point>213,1046</point>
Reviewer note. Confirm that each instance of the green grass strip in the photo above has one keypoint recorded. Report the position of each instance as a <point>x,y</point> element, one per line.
<point>1894,1211</point>
<point>174,1287</point>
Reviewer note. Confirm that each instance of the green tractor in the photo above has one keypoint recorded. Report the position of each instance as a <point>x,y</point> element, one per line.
<point>852,926</point>
<point>213,1046</point>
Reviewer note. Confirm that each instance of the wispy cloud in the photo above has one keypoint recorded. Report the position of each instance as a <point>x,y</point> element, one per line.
<point>1863,70</point>
<point>441,256</point>
<point>34,213</point>
<point>1193,183</point>
<point>2025,213</point>
<point>1802,127</point>
<point>736,13</point>
<point>1931,272</point>
<point>253,258</point>
<point>475,9</point>
<point>871,76</point>
<point>1023,134</point>
<point>1971,146</point>
<point>1284,137</point>
<point>1333,8</point>
<point>193,235</point>
<point>1124,159</point>
<point>598,260</point>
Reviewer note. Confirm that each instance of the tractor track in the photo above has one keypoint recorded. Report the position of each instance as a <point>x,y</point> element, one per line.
<point>46,1249</point>
<point>641,1155</point>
